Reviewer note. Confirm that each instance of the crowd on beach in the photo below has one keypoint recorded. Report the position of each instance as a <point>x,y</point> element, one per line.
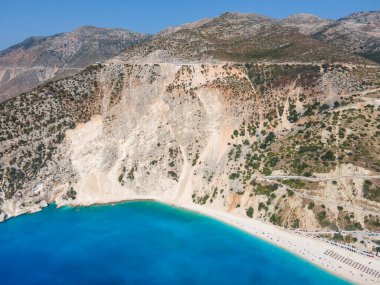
<point>345,246</point>
<point>350,248</point>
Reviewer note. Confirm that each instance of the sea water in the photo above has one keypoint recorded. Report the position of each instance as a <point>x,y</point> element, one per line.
<point>142,243</point>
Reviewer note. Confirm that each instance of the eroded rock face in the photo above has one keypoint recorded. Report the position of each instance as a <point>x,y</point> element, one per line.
<point>270,141</point>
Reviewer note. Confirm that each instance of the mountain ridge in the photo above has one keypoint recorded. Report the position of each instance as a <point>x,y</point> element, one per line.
<point>25,65</point>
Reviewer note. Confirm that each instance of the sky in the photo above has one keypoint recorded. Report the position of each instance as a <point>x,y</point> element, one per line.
<point>20,19</point>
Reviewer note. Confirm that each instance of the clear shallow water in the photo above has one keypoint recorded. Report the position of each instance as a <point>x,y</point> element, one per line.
<point>141,243</point>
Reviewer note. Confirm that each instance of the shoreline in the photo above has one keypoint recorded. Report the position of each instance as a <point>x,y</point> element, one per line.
<point>234,222</point>
<point>310,249</point>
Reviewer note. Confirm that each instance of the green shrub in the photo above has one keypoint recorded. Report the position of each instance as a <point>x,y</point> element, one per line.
<point>249,212</point>
<point>290,192</point>
<point>338,237</point>
<point>328,156</point>
<point>267,171</point>
<point>294,183</point>
<point>321,215</point>
<point>234,176</point>
<point>274,219</point>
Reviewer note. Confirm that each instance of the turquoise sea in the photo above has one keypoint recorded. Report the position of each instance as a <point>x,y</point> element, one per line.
<point>141,243</point>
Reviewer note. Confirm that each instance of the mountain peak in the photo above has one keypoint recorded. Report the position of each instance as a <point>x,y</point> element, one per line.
<point>304,17</point>
<point>243,16</point>
<point>86,28</point>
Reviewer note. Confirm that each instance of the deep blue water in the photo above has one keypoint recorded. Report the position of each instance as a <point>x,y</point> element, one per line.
<point>141,243</point>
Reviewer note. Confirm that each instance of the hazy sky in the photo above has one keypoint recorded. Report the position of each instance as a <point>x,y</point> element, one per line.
<point>20,19</point>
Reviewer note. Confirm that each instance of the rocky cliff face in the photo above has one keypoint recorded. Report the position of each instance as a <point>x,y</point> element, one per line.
<point>212,134</point>
<point>38,59</point>
<point>291,143</point>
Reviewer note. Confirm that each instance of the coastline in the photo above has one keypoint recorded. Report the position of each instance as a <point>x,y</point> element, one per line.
<point>310,249</point>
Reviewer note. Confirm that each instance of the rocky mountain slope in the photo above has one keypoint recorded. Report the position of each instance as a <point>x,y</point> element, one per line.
<point>222,114</point>
<point>239,38</point>
<point>38,59</point>
<point>358,33</point>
